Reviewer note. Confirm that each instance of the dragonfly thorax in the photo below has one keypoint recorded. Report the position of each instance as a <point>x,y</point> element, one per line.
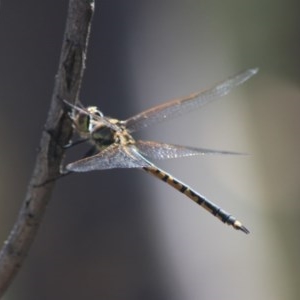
<point>103,135</point>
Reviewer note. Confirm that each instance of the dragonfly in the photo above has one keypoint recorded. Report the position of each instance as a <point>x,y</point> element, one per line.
<point>113,145</point>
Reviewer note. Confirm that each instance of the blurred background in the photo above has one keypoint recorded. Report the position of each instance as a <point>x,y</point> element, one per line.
<point>121,234</point>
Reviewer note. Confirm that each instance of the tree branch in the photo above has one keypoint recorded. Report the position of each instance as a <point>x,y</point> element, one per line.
<point>57,132</point>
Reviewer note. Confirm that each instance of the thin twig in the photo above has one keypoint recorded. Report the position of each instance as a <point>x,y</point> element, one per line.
<point>56,134</point>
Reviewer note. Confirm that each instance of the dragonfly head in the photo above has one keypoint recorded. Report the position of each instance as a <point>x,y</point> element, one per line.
<point>86,119</point>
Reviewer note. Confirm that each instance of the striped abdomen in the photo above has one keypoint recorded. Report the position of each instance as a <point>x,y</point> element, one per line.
<point>199,199</point>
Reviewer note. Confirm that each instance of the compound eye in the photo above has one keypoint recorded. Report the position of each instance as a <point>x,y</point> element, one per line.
<point>82,122</point>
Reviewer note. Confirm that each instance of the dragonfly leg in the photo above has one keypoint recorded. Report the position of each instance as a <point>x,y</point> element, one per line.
<point>75,143</point>
<point>215,210</point>
<point>61,175</point>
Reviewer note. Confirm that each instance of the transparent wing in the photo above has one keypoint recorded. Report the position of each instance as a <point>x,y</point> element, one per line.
<point>156,150</point>
<point>112,157</point>
<point>180,106</point>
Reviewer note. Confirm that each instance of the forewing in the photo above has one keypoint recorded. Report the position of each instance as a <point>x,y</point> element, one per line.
<point>180,106</point>
<point>156,150</point>
<point>114,156</point>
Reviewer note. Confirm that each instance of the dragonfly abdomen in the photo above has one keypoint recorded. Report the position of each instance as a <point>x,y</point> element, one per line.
<point>215,210</point>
